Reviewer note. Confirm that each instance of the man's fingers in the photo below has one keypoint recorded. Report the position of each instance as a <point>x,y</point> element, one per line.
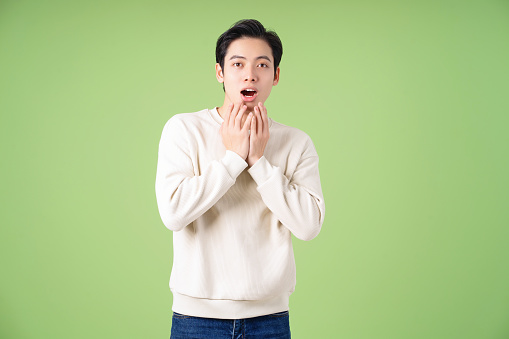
<point>248,123</point>
<point>259,125</point>
<point>233,114</point>
<point>264,116</point>
<point>240,113</point>
<point>263,110</point>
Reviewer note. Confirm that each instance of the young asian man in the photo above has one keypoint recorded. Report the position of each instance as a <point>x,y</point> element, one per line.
<point>234,185</point>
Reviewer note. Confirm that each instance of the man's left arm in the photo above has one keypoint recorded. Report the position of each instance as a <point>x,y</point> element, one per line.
<point>297,202</point>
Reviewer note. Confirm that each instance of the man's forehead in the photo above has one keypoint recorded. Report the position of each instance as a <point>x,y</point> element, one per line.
<point>249,48</point>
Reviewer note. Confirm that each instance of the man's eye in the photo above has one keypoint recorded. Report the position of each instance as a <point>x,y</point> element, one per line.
<point>263,65</point>
<point>236,64</point>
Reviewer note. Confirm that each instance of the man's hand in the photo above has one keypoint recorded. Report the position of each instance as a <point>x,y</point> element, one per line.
<point>259,134</point>
<point>235,136</point>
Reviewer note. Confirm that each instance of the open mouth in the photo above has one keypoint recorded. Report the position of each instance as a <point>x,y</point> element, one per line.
<point>248,94</point>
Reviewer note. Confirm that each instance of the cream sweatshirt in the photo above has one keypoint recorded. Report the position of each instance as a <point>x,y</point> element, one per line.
<point>232,225</point>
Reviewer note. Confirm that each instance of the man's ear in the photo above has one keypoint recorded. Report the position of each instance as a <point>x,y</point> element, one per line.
<point>219,73</point>
<point>276,77</point>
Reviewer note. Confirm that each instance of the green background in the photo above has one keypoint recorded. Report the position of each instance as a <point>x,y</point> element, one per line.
<point>406,102</point>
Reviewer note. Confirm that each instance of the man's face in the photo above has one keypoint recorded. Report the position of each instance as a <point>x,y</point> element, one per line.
<point>248,73</point>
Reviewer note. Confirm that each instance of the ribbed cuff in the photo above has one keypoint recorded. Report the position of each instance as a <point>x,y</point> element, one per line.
<point>261,171</point>
<point>234,163</point>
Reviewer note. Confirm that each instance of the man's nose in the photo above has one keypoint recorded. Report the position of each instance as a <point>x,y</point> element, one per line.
<point>250,75</point>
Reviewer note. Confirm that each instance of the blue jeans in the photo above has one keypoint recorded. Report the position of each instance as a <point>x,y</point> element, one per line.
<point>276,325</point>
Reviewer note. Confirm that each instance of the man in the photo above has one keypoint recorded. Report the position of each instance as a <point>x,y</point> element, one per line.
<point>234,185</point>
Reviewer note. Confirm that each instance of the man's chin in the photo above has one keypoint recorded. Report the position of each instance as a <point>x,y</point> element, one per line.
<point>251,104</point>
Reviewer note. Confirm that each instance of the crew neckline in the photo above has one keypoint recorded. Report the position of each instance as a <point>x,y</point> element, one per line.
<point>217,118</point>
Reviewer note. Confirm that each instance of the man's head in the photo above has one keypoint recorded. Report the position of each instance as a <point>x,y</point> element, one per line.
<point>248,57</point>
<point>249,29</point>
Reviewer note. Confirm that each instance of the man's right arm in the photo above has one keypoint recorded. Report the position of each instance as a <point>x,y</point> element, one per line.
<point>181,195</point>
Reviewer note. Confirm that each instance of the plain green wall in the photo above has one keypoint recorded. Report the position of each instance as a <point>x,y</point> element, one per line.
<point>406,102</point>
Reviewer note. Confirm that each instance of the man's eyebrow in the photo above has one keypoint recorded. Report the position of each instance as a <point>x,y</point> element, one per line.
<point>264,57</point>
<point>237,57</point>
<point>241,57</point>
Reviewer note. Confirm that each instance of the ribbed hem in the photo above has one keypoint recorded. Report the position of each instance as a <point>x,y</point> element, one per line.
<point>228,309</point>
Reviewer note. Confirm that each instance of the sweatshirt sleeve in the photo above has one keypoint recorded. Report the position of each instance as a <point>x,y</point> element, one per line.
<point>297,202</point>
<point>181,195</point>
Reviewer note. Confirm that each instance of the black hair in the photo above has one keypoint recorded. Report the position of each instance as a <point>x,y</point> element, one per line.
<point>252,29</point>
